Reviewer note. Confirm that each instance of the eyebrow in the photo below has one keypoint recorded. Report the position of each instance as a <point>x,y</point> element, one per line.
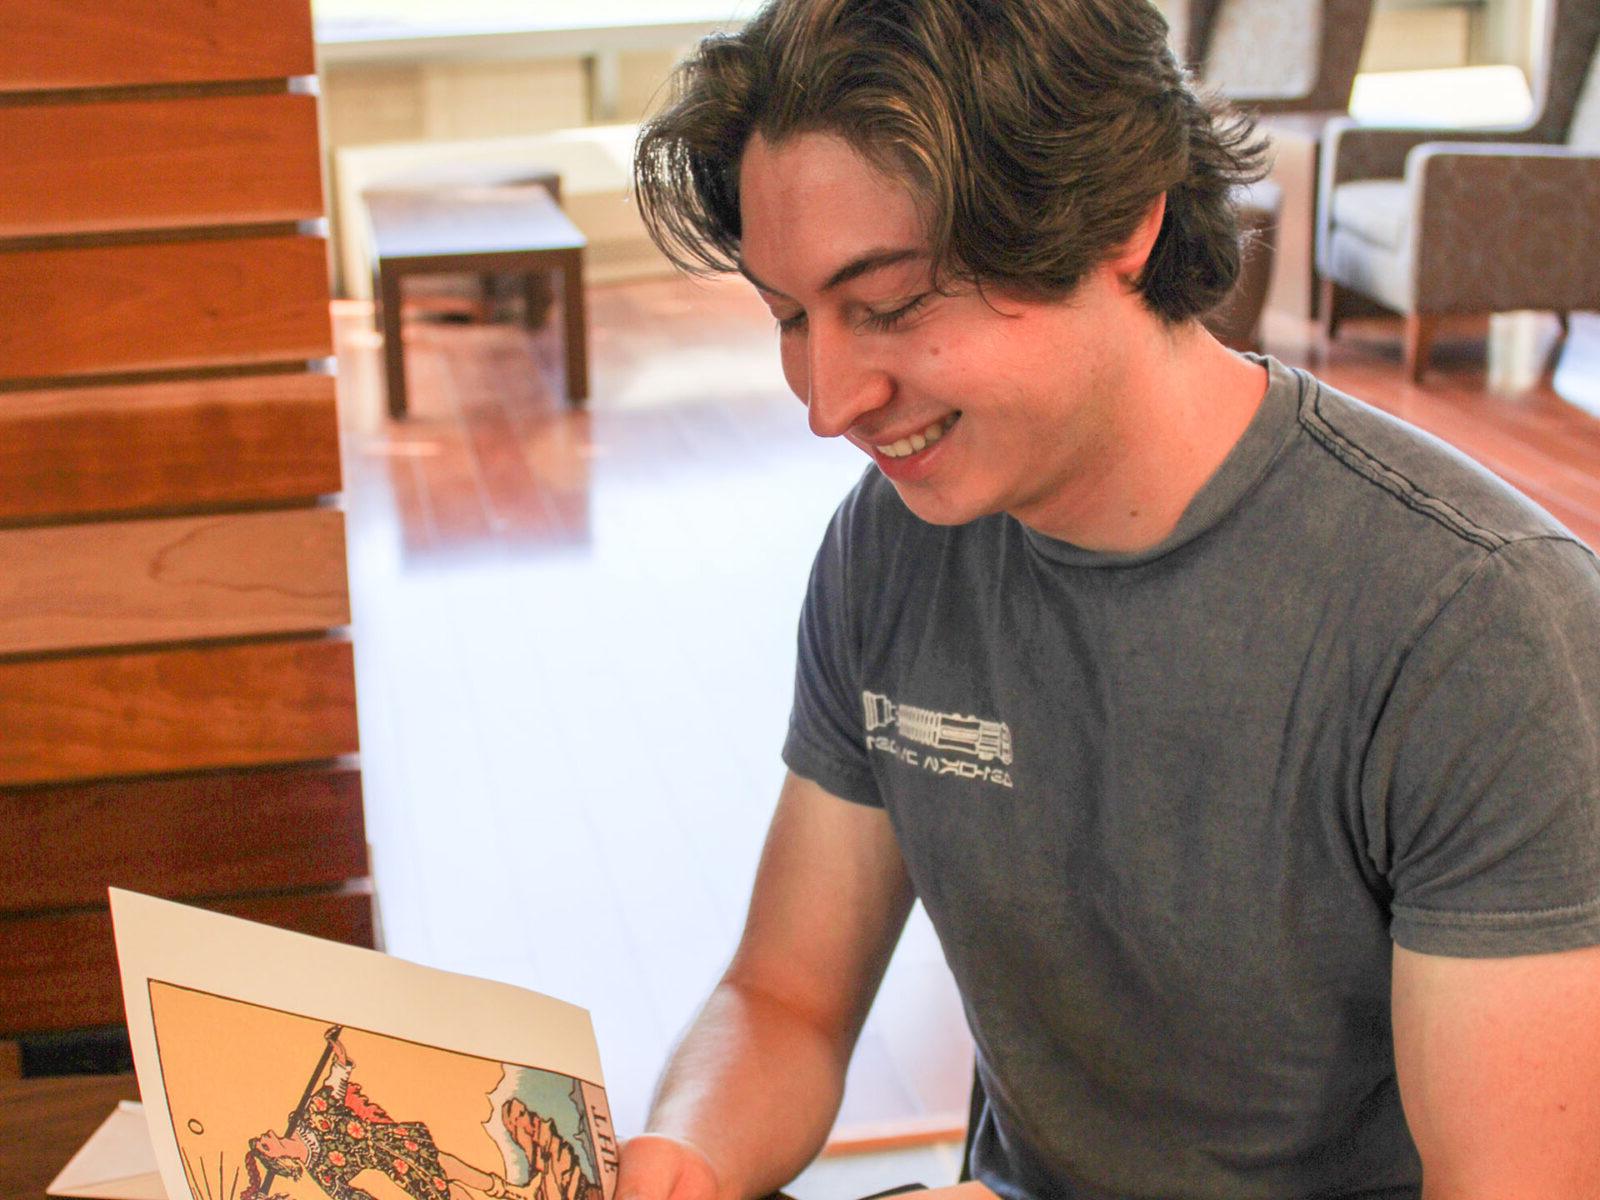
<point>873,260</point>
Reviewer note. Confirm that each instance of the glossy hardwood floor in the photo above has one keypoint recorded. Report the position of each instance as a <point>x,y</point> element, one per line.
<point>574,646</point>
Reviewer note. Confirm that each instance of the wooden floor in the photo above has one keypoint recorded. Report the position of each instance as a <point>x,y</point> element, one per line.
<point>574,645</point>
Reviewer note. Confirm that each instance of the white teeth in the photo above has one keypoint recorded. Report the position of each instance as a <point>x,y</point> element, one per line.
<point>918,441</point>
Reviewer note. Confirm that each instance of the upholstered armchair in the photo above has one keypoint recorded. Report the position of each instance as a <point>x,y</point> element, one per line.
<point>1292,63</point>
<point>1274,56</point>
<point>1432,223</point>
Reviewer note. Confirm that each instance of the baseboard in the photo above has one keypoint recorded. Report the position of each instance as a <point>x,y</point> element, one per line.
<point>875,1137</point>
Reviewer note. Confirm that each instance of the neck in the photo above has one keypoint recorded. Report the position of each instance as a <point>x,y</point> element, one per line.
<point>1173,404</point>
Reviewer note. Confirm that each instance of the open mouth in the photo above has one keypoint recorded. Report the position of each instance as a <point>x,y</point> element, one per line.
<point>920,441</point>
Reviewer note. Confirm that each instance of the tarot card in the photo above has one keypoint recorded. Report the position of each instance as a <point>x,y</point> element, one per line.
<point>275,1066</point>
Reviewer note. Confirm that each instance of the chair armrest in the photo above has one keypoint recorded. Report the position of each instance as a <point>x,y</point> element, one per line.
<point>1352,151</point>
<point>1444,149</point>
<point>1499,226</point>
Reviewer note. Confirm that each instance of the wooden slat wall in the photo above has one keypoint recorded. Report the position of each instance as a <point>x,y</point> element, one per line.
<point>173,710</point>
<point>176,681</point>
<point>131,582</point>
<point>188,836</point>
<point>118,449</point>
<point>109,309</point>
<point>151,164</point>
<point>64,974</point>
<point>51,44</point>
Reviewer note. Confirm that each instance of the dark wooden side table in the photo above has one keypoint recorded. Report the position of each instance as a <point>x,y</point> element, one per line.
<point>44,1121</point>
<point>468,229</point>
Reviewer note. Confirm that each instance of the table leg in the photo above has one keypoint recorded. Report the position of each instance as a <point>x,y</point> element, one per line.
<point>577,330</point>
<point>394,355</point>
<point>536,298</point>
<point>491,294</point>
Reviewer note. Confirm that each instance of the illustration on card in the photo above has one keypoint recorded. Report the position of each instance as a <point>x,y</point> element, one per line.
<point>269,1105</point>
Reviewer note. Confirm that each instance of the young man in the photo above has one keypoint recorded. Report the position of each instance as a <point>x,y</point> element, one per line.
<point>1240,741</point>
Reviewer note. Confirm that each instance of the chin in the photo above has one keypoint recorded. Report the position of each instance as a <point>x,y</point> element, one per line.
<point>942,509</point>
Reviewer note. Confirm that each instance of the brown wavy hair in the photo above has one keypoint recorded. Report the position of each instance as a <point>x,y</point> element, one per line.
<point>1034,133</point>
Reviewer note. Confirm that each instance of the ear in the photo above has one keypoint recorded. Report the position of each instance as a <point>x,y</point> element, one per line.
<point>1127,261</point>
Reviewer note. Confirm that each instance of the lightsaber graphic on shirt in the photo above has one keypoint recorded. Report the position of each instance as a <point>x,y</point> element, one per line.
<point>951,732</point>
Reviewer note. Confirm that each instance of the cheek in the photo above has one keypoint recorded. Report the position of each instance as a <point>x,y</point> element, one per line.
<point>792,353</point>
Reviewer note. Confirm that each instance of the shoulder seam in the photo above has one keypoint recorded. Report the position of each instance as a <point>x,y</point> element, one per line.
<point>1380,474</point>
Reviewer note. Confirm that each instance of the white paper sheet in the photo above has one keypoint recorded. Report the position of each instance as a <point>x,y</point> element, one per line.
<point>116,1163</point>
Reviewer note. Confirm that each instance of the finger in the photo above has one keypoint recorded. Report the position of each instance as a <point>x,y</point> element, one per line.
<point>654,1167</point>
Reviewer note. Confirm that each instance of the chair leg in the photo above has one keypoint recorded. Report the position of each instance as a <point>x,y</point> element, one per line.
<point>1329,308</point>
<point>1566,324</point>
<point>1420,330</point>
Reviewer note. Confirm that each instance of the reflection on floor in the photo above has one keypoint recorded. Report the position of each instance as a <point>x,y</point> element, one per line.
<point>574,642</point>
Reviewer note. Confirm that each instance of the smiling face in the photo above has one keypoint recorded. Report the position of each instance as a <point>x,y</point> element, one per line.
<point>970,404</point>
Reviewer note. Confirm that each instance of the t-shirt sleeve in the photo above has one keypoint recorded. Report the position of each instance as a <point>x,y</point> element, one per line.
<point>1484,772</point>
<point>825,742</point>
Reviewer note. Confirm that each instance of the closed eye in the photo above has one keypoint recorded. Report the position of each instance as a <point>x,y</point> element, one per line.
<point>886,321</point>
<point>873,322</point>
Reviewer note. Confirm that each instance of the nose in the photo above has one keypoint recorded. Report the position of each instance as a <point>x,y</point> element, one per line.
<point>839,388</point>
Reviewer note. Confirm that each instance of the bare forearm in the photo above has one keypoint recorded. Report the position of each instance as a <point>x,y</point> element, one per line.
<point>755,1086</point>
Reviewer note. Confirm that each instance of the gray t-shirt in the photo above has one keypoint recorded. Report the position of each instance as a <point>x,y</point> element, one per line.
<point>1167,810</point>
